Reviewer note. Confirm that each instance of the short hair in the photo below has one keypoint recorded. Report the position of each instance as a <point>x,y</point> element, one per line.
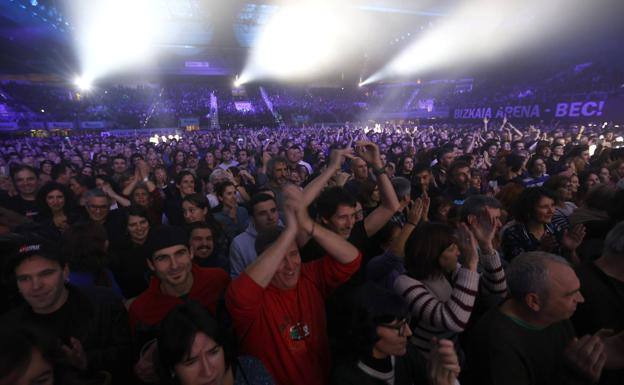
<point>94,193</point>
<point>614,242</point>
<point>220,187</point>
<point>423,249</point>
<point>474,205</point>
<point>136,211</point>
<point>532,161</point>
<point>554,183</point>
<point>456,165</point>
<point>328,201</point>
<point>529,273</point>
<point>420,167</point>
<point>177,333</point>
<point>514,162</point>
<point>374,306</point>
<point>23,246</point>
<point>402,187</point>
<point>524,207</point>
<point>84,180</point>
<point>21,167</point>
<point>259,198</point>
<point>211,225</point>
<point>271,165</point>
<point>119,156</point>
<point>18,343</point>
<point>198,200</point>
<point>600,197</point>
<point>267,238</point>
<point>447,148</point>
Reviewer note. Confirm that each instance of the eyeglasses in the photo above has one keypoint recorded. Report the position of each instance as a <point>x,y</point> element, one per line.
<point>401,327</point>
<point>98,207</point>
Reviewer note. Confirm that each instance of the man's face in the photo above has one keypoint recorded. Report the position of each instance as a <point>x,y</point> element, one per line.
<point>293,155</point>
<point>563,293</point>
<point>280,173</point>
<point>97,208</point>
<point>202,243</point>
<point>287,274</point>
<point>265,215</point>
<point>119,165</point>
<point>26,182</point>
<point>423,178</point>
<point>152,160</point>
<point>42,283</point>
<point>172,265</point>
<point>461,178</point>
<point>447,159</point>
<point>227,156</point>
<point>342,221</point>
<point>558,150</point>
<point>360,169</point>
<point>228,198</point>
<point>242,157</point>
<point>539,167</point>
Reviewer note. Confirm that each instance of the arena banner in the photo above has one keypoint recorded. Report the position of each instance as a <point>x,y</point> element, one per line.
<point>610,109</point>
<point>8,126</point>
<point>60,125</point>
<point>185,122</point>
<point>93,125</point>
<point>36,125</point>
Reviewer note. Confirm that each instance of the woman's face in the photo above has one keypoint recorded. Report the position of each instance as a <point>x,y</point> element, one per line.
<point>46,168</point>
<point>193,213</point>
<point>448,258</point>
<point>179,158</point>
<point>605,175</point>
<point>205,363</point>
<point>138,227</point>
<point>544,210</point>
<point>408,165</point>
<point>574,184</point>
<point>55,200</point>
<point>140,196</point>
<point>592,180</point>
<point>392,339</point>
<point>209,158</point>
<point>187,185</point>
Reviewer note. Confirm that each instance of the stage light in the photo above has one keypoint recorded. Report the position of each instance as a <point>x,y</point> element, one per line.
<point>480,31</point>
<point>114,35</point>
<point>83,83</point>
<point>299,41</point>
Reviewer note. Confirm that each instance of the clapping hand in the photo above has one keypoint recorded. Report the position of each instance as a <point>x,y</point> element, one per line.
<point>484,230</point>
<point>468,246</point>
<point>415,213</point>
<point>75,355</point>
<point>572,238</point>
<point>587,355</point>
<point>368,151</point>
<point>443,363</point>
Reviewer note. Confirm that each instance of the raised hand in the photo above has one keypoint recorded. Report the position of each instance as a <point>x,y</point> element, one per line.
<point>443,363</point>
<point>415,213</point>
<point>587,355</point>
<point>75,354</point>
<point>573,237</point>
<point>467,246</point>
<point>484,231</point>
<point>337,157</point>
<point>368,151</point>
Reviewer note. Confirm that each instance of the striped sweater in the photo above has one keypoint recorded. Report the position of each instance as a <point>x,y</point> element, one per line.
<point>433,317</point>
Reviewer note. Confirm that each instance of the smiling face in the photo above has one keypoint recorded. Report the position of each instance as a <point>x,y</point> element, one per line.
<point>138,228</point>
<point>287,274</point>
<point>172,265</point>
<point>41,282</point>
<point>55,200</point>
<point>544,210</point>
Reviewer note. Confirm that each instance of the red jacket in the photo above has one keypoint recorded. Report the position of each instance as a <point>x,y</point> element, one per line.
<point>266,320</point>
<point>151,306</point>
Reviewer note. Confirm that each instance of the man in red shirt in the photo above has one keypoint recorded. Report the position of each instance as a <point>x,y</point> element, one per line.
<point>176,280</point>
<point>278,303</point>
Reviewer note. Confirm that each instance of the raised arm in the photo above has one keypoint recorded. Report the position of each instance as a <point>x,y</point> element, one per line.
<point>313,189</point>
<point>264,267</point>
<point>389,201</point>
<point>336,246</point>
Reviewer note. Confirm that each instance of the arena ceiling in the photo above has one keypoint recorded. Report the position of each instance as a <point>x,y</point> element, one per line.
<point>36,35</point>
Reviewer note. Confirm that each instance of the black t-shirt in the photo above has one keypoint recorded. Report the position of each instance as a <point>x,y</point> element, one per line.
<point>312,250</point>
<point>22,206</point>
<point>503,351</point>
